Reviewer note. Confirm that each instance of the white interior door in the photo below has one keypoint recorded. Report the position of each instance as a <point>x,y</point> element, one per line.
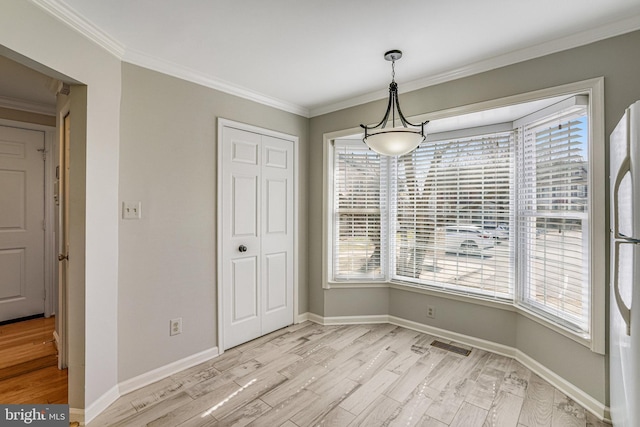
<point>241,240</point>
<point>256,235</point>
<point>21,222</point>
<point>277,234</point>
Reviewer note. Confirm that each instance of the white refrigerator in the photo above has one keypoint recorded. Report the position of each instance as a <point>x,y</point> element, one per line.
<point>624,310</point>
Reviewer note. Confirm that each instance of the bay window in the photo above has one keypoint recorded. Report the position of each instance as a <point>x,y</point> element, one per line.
<point>498,212</point>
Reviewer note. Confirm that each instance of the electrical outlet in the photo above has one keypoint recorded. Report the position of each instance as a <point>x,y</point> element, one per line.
<point>175,326</point>
<point>431,312</point>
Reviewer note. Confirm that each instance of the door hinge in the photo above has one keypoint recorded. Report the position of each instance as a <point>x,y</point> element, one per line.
<point>44,153</point>
<point>44,225</point>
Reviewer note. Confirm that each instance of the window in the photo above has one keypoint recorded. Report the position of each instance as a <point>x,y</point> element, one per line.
<point>452,196</point>
<point>553,224</point>
<point>359,237</point>
<point>496,212</point>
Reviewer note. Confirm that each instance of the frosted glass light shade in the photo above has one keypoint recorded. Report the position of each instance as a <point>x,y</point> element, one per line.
<point>394,142</point>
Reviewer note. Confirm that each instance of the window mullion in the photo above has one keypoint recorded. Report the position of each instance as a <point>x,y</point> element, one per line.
<point>390,207</point>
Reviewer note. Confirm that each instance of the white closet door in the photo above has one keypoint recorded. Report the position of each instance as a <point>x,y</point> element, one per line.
<point>257,235</point>
<point>277,234</point>
<point>241,229</point>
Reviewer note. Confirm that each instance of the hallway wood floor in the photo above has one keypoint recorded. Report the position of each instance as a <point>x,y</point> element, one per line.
<point>29,364</point>
<point>358,375</point>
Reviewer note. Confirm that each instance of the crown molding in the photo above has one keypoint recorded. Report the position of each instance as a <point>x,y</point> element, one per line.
<point>29,106</point>
<point>580,39</point>
<point>64,13</point>
<point>166,67</point>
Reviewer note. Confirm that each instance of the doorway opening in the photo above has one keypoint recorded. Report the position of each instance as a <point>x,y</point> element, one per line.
<point>34,141</point>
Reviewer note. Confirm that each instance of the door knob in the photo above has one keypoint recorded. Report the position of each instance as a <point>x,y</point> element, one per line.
<point>242,248</point>
<point>63,257</point>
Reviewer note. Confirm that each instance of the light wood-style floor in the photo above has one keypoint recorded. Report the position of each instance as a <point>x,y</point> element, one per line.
<point>29,364</point>
<point>359,375</point>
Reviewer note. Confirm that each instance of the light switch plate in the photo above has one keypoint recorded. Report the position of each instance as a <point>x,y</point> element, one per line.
<point>131,210</point>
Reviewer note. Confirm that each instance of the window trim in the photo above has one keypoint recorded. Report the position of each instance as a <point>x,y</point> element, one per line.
<point>597,227</point>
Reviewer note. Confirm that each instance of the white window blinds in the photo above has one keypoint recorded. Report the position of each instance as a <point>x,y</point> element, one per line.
<point>452,215</point>
<point>554,221</point>
<point>359,192</point>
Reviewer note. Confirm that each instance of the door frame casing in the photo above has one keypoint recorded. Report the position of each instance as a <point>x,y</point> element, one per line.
<point>222,123</point>
<point>62,334</point>
<point>50,262</point>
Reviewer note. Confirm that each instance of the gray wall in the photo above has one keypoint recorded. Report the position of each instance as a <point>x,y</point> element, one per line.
<point>167,259</point>
<point>618,60</point>
<point>341,302</point>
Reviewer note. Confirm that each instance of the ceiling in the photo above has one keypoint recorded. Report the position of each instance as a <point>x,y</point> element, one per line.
<point>311,57</point>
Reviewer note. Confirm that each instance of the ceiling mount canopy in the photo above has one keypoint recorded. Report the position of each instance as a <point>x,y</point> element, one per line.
<point>400,139</point>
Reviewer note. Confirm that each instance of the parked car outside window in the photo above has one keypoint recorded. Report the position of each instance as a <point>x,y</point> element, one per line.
<point>499,232</point>
<point>467,239</point>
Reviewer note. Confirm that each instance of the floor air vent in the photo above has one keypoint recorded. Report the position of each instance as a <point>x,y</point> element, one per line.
<point>452,348</point>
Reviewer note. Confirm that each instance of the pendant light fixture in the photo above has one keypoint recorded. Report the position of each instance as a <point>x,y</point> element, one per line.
<point>397,140</point>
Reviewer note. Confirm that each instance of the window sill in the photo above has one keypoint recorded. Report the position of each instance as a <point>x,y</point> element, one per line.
<point>500,305</point>
<point>356,284</point>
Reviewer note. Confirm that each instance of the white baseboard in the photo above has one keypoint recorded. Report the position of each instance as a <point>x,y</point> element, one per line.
<point>349,320</point>
<point>103,402</point>
<point>164,371</point>
<point>578,395</point>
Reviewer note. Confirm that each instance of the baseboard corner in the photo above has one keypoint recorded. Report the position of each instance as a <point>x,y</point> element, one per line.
<point>311,317</point>
<point>302,317</point>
